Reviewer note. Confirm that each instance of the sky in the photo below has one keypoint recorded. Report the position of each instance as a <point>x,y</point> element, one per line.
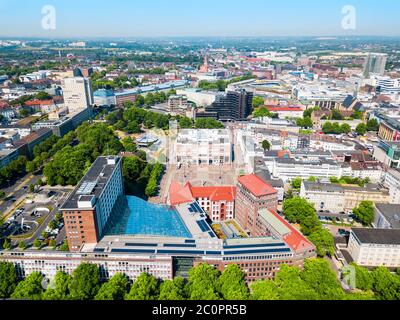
<point>163,18</point>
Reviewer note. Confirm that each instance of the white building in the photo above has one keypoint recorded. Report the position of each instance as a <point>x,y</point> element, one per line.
<point>392,181</point>
<point>199,97</point>
<point>203,146</point>
<point>78,93</point>
<point>375,247</point>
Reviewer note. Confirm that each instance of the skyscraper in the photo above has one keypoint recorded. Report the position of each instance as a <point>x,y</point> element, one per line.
<point>78,93</point>
<point>235,105</point>
<point>375,63</point>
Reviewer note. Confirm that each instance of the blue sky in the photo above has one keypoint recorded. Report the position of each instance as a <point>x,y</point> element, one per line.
<point>134,18</point>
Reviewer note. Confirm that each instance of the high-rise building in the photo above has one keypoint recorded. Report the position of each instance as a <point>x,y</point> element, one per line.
<point>375,63</point>
<point>90,205</point>
<point>78,93</point>
<point>235,105</point>
<point>253,194</point>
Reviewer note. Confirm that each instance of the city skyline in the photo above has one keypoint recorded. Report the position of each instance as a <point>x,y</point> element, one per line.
<point>175,19</point>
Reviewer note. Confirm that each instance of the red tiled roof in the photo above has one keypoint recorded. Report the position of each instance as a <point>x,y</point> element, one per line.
<point>277,109</point>
<point>37,102</point>
<point>294,239</point>
<point>182,194</point>
<point>256,185</point>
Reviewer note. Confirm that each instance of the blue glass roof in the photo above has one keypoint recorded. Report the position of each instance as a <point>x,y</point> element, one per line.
<point>144,218</point>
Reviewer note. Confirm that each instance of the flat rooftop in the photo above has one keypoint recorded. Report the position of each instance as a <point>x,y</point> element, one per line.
<point>94,182</point>
<point>378,236</point>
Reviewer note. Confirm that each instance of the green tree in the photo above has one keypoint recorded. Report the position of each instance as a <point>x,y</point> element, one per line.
<point>203,283</point>
<point>312,179</point>
<point>145,287</point>
<point>52,243</point>
<point>336,115</point>
<point>372,125</point>
<point>297,209</point>
<point>85,282</point>
<point>7,244</point>
<point>22,245</point>
<point>173,290</point>
<point>323,241</point>
<point>266,145</point>
<point>185,123</point>
<point>129,144</point>
<point>386,285</point>
<point>37,244</point>
<point>345,128</point>
<point>59,288</point>
<point>296,183</point>
<point>31,188</point>
<point>64,246</point>
<point>43,95</point>
<point>361,129</point>
<point>261,113</point>
<point>114,289</point>
<point>264,290</point>
<point>8,279</point>
<point>258,102</point>
<point>364,279</point>
<point>232,284</point>
<point>305,123</point>
<point>365,212</point>
<point>30,288</point>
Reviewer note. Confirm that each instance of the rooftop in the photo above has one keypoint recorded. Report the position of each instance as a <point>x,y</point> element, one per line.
<point>377,236</point>
<point>391,212</point>
<point>256,185</point>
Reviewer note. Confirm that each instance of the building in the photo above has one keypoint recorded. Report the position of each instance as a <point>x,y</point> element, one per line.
<point>392,181</point>
<point>90,205</point>
<point>389,129</point>
<point>253,194</point>
<point>375,63</point>
<point>217,202</point>
<point>338,198</point>
<point>202,147</point>
<point>78,93</point>
<point>104,97</point>
<point>26,145</point>
<point>199,97</point>
<point>375,247</point>
<point>287,111</point>
<point>234,105</point>
<point>387,216</point>
<point>388,152</point>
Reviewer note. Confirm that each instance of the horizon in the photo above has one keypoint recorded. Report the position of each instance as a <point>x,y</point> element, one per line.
<point>175,18</point>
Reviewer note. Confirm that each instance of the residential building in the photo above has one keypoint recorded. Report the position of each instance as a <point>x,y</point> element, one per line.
<point>392,181</point>
<point>90,205</point>
<point>375,247</point>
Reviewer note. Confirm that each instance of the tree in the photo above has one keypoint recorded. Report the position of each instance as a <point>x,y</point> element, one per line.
<point>258,102</point>
<point>22,245</point>
<point>364,279</point>
<point>185,123</point>
<point>203,283</point>
<point>305,123</point>
<point>37,244</point>
<point>144,288</point>
<point>43,95</point>
<point>8,279</point>
<point>31,188</point>
<point>52,243</point>
<point>114,289</point>
<point>261,113</point>
<point>317,274</point>
<point>85,282</point>
<point>7,244</point>
<point>173,290</point>
<point>365,212</point>
<point>266,145</point>
<point>336,115</point>
<point>297,209</point>
<point>264,290</point>
<point>361,129</point>
<point>386,285</point>
<point>132,168</point>
<point>2,196</point>
<point>64,246</point>
<point>30,288</point>
<point>232,284</point>
<point>129,144</point>
<point>345,128</point>
<point>296,183</point>
<point>372,125</point>
<point>312,179</point>
<point>308,113</point>
<point>59,287</point>
<point>323,241</point>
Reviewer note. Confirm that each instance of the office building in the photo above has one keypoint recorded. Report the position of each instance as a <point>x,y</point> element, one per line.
<point>202,147</point>
<point>387,216</point>
<point>235,105</point>
<point>388,152</point>
<point>375,63</point>
<point>90,205</point>
<point>253,194</point>
<point>78,93</point>
<point>375,247</point>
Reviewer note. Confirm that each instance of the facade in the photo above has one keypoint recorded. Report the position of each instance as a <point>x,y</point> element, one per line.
<point>392,181</point>
<point>104,97</point>
<point>88,208</point>
<point>375,63</point>
<point>389,129</point>
<point>26,145</point>
<point>387,216</point>
<point>217,202</point>
<point>202,147</point>
<point>78,93</point>
<point>338,198</point>
<point>388,152</point>
<point>375,247</point>
<point>253,194</point>
<point>235,105</point>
